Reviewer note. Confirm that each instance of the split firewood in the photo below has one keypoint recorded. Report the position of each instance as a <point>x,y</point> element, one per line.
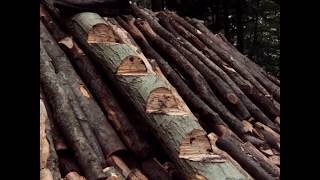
<point>168,126</point>
<point>65,118</point>
<point>107,137</point>
<point>99,88</point>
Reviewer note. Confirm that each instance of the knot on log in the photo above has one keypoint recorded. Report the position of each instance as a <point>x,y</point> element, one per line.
<point>132,65</point>
<point>102,33</point>
<point>232,98</point>
<point>162,100</point>
<point>196,147</point>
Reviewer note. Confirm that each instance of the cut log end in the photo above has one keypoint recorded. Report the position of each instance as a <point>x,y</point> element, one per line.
<point>163,101</point>
<point>196,147</point>
<point>67,41</point>
<point>132,65</point>
<point>102,33</point>
<point>74,176</point>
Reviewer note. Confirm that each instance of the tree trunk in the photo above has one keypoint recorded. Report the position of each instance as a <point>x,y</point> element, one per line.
<point>239,15</point>
<point>66,120</point>
<point>156,5</point>
<point>107,137</point>
<point>100,90</point>
<point>149,92</point>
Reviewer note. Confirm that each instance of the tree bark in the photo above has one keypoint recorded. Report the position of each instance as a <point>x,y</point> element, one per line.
<point>105,134</point>
<point>238,151</point>
<point>236,82</point>
<point>170,121</point>
<point>254,73</point>
<point>100,90</point>
<point>222,88</point>
<point>48,156</point>
<point>66,120</point>
<point>225,55</point>
<point>197,104</point>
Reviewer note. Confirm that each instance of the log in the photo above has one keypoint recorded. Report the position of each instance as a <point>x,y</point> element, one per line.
<point>196,104</point>
<point>247,61</point>
<point>154,170</point>
<point>105,134</point>
<point>230,59</point>
<point>152,95</point>
<point>99,89</point>
<point>237,60</point>
<point>48,156</point>
<point>231,120</point>
<point>66,120</point>
<point>236,149</point>
<point>245,86</point>
<point>128,173</point>
<point>222,88</point>
<point>266,163</point>
<point>167,48</point>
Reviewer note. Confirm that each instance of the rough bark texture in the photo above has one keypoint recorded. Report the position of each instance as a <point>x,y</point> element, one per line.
<point>99,89</point>
<point>253,68</point>
<point>48,156</point>
<point>66,120</point>
<point>247,160</point>
<point>230,59</point>
<point>197,104</point>
<point>169,128</point>
<point>107,137</point>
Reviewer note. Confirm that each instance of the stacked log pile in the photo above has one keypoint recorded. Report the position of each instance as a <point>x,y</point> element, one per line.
<point>152,96</point>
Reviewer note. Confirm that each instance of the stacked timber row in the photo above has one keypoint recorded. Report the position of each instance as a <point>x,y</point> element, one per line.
<point>152,96</point>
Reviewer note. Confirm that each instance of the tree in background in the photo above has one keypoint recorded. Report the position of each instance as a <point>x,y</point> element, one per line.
<point>253,26</point>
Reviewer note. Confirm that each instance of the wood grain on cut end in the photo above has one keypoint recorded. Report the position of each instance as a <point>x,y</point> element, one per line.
<point>67,41</point>
<point>162,100</point>
<point>74,176</point>
<point>132,65</point>
<point>196,147</point>
<point>102,33</point>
